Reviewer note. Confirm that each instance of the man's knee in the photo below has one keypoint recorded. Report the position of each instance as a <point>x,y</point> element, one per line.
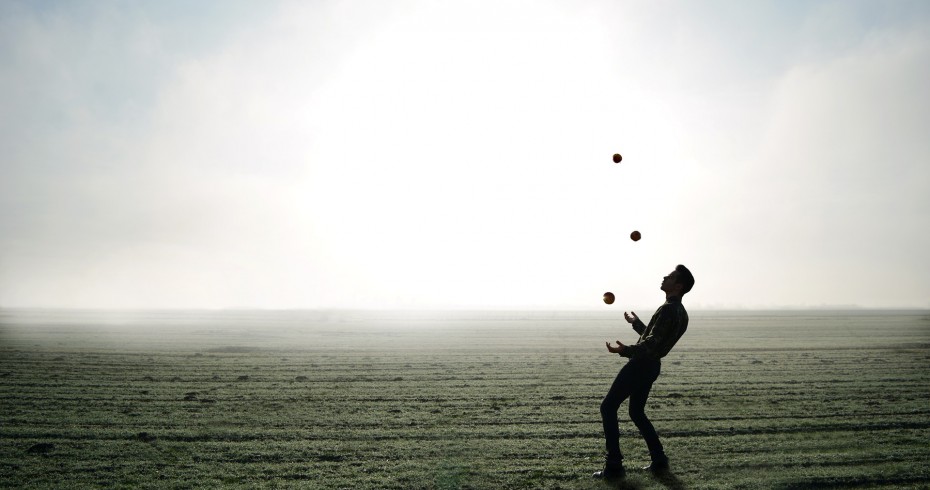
<point>638,414</point>
<point>609,407</point>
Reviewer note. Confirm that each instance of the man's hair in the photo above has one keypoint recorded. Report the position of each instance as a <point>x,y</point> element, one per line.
<point>684,278</point>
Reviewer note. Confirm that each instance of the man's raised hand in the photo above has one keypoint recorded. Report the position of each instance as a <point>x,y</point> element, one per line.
<point>630,317</point>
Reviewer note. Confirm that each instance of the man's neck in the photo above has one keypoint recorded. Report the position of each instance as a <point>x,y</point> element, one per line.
<point>672,298</point>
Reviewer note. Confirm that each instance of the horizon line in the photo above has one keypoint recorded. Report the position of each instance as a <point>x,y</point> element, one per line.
<point>460,308</point>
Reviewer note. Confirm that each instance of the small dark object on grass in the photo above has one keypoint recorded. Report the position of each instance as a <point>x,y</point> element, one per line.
<point>145,437</point>
<point>242,378</point>
<point>191,396</point>
<point>41,448</point>
<point>301,378</point>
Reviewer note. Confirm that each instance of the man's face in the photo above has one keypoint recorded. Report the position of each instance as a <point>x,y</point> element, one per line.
<point>669,281</point>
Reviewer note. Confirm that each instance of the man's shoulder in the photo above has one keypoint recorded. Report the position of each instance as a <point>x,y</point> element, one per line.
<point>674,306</point>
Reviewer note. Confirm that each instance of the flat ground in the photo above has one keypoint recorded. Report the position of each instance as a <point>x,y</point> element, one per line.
<point>477,400</point>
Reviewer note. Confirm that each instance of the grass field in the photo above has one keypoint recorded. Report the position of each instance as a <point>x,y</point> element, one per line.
<point>460,400</point>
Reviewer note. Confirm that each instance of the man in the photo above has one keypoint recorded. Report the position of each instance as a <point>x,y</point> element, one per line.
<point>635,379</point>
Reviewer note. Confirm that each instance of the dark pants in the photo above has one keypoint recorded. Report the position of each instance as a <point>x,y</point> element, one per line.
<point>634,382</point>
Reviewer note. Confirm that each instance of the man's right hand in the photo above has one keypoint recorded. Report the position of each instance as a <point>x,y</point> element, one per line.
<point>631,317</point>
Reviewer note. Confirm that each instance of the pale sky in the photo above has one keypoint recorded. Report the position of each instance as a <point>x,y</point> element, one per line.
<point>439,154</point>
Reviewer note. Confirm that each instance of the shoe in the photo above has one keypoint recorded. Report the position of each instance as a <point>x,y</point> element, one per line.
<point>610,472</point>
<point>657,466</point>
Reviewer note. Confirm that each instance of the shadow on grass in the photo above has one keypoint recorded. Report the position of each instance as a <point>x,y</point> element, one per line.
<point>669,479</point>
<point>624,484</point>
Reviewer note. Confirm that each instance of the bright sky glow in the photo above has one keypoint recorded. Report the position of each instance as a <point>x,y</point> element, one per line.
<point>422,154</point>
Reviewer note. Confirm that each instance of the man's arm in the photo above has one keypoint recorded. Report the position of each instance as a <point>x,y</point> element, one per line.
<point>666,326</point>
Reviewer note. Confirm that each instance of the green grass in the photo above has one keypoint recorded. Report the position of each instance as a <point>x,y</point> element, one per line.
<point>491,400</point>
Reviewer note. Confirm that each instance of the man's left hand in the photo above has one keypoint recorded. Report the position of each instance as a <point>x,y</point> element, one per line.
<point>615,350</point>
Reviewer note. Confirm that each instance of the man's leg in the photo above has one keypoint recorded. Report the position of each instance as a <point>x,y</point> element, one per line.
<point>619,391</point>
<point>638,397</point>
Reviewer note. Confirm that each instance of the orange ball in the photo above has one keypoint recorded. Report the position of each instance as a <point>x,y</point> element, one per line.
<point>609,298</point>
<point>617,158</point>
<point>635,236</point>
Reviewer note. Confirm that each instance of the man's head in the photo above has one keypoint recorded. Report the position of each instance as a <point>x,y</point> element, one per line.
<point>678,282</point>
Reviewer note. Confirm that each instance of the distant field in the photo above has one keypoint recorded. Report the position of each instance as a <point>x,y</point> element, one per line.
<point>466,400</point>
